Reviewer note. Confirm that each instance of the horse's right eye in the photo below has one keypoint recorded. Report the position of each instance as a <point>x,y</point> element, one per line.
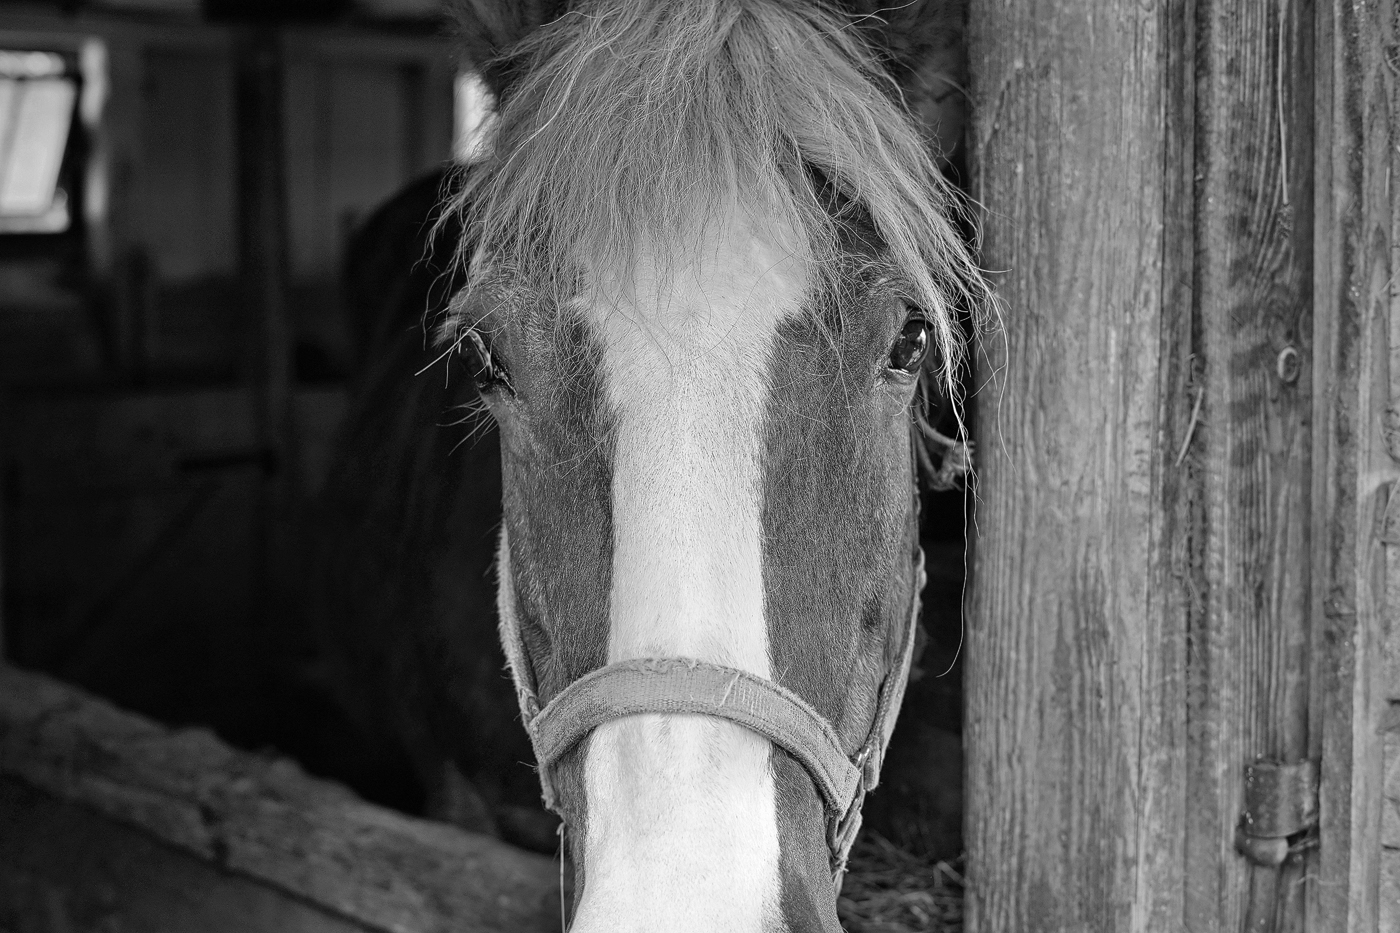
<point>910,346</point>
<point>485,369</point>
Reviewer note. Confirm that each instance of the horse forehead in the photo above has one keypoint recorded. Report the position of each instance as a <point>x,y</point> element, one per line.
<point>718,293</point>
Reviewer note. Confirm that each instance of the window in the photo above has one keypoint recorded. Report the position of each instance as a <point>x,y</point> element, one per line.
<point>38,93</point>
<point>474,118</point>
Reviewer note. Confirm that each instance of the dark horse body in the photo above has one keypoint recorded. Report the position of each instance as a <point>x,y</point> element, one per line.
<point>403,591</point>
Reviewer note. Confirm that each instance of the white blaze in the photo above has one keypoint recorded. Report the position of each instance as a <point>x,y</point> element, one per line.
<point>682,828</point>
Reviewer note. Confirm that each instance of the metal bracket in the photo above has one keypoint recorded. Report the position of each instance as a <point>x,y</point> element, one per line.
<point>1280,811</point>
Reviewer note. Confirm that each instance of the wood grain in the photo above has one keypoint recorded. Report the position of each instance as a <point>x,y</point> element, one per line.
<point>65,869</point>
<point>1074,682</point>
<point>1251,458</point>
<point>1355,318</point>
<point>1140,620</point>
<point>1390,816</point>
<point>262,819</point>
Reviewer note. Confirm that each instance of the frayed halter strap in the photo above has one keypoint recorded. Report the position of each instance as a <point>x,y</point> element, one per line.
<point>685,685</point>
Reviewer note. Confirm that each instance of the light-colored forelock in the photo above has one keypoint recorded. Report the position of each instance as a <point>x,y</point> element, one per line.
<point>633,118</point>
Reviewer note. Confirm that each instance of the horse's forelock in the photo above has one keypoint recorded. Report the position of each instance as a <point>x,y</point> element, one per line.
<point>631,122</point>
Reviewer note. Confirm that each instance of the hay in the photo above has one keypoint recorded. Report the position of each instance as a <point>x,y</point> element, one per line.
<point>889,890</point>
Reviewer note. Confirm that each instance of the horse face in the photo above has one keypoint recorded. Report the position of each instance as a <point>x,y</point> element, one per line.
<point>710,459</point>
<point>703,293</point>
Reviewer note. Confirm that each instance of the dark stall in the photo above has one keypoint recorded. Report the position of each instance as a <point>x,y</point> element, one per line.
<point>215,252</point>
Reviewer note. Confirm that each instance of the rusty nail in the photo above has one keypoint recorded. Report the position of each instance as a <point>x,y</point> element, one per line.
<point>1290,365</point>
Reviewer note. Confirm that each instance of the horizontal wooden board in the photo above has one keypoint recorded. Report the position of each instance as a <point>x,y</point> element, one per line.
<point>65,869</point>
<point>261,818</point>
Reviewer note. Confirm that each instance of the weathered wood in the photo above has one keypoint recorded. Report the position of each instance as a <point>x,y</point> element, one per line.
<point>1074,722</point>
<point>1390,816</point>
<point>1251,453</point>
<point>1143,576</point>
<point>1389,910</point>
<point>65,869</point>
<point>1390,892</point>
<point>263,819</point>
<point>1356,316</point>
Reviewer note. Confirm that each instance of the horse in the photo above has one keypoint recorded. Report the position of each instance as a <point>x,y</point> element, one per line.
<point>705,288</point>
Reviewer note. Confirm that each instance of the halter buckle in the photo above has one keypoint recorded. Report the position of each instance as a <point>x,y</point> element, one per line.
<point>842,831</point>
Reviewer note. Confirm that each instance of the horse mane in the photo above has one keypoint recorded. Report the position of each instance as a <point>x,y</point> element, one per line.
<point>627,119</point>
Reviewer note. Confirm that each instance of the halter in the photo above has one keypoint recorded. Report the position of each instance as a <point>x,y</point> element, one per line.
<point>686,685</point>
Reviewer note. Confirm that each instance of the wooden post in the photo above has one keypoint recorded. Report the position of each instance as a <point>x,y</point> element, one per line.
<point>1357,452</point>
<point>263,248</point>
<point>1140,606</point>
<point>4,504</point>
<point>1251,459</point>
<point>1074,724</point>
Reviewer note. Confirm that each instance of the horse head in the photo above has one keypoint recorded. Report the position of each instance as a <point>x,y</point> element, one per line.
<point>713,274</point>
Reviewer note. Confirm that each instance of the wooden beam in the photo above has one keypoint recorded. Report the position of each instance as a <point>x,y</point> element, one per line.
<point>262,194</point>
<point>1075,684</point>
<point>1140,610</point>
<point>260,818</point>
<point>268,327</point>
<point>1250,460</point>
<point>84,873</point>
<point>1357,339</point>
<point>5,485</point>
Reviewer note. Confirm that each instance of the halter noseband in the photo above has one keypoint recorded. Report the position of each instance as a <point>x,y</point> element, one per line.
<point>686,685</point>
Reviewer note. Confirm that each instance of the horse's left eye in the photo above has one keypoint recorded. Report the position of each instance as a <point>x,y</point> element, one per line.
<point>911,346</point>
<point>486,371</point>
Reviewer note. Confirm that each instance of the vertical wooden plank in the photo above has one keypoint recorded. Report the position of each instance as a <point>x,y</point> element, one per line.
<point>1250,456</point>
<point>1354,325</point>
<point>119,155</point>
<point>1386,42</point>
<point>1389,916</point>
<point>263,254</point>
<point>263,230</point>
<point>1179,584</point>
<point>4,511</point>
<point>1074,683</point>
<point>1180,508</point>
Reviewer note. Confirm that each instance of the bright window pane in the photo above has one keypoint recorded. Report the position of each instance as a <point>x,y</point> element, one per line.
<point>474,118</point>
<point>40,112</point>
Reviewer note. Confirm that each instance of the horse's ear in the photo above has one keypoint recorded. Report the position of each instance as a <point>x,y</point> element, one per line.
<point>488,29</point>
<point>922,43</point>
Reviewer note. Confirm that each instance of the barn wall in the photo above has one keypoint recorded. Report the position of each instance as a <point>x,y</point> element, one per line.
<point>1245,481</point>
<point>135,448</point>
<point>130,539</point>
<point>1390,818</point>
<point>1074,725</point>
<point>1180,562</point>
<point>1356,599</point>
<point>157,297</point>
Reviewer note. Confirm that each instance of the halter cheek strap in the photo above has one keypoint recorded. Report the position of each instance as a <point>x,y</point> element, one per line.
<point>686,685</point>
